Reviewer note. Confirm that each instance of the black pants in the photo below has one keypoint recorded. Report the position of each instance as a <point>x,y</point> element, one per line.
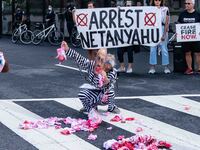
<point>122,50</point>
<point>70,26</point>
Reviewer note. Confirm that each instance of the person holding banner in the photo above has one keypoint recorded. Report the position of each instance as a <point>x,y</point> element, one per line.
<point>91,52</point>
<point>164,39</point>
<point>139,3</point>
<point>190,15</point>
<point>129,50</point>
<point>101,76</point>
<point>120,54</point>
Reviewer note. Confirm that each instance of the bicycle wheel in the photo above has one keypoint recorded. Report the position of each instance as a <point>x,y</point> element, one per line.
<point>55,37</point>
<point>37,37</point>
<point>15,36</point>
<point>26,37</point>
<point>75,39</point>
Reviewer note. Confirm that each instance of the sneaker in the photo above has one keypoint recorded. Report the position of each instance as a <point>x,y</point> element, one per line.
<point>83,110</point>
<point>121,69</point>
<point>152,70</point>
<point>116,110</point>
<point>129,70</point>
<point>167,71</point>
<point>188,71</point>
<point>96,108</point>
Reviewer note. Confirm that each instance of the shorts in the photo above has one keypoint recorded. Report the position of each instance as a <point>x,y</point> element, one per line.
<point>191,47</point>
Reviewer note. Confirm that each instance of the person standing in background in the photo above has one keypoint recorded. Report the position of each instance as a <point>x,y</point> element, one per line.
<point>163,41</point>
<point>19,17</point>
<point>190,15</point>
<point>113,3</point>
<point>91,52</point>
<point>139,3</point>
<point>69,17</point>
<point>129,50</point>
<point>50,16</point>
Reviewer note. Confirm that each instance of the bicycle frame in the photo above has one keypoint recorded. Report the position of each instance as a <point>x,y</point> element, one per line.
<point>173,37</point>
<point>22,28</point>
<point>44,33</point>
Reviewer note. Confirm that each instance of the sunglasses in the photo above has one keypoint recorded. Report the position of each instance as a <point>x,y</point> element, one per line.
<point>187,3</point>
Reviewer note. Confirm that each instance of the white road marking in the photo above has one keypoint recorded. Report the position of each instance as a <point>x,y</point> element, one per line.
<point>69,67</point>
<point>175,102</point>
<point>118,98</point>
<point>11,115</point>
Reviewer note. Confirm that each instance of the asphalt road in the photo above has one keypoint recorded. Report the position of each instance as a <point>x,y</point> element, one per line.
<point>33,74</point>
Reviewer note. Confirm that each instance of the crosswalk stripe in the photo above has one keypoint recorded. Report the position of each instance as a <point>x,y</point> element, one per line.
<point>178,137</point>
<point>120,98</point>
<point>8,136</point>
<point>177,103</point>
<point>12,114</point>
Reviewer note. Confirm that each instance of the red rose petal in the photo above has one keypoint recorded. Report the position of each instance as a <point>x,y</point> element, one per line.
<point>130,119</point>
<point>116,119</point>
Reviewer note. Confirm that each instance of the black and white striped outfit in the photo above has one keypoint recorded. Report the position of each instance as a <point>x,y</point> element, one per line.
<point>90,98</point>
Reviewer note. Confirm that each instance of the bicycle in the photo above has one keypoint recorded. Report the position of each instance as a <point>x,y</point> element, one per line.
<point>54,37</point>
<point>23,34</point>
<point>75,37</point>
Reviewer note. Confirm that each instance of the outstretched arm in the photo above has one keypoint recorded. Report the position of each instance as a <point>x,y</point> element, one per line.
<point>82,61</point>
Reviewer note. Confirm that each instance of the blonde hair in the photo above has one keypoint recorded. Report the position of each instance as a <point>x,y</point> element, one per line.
<point>193,1</point>
<point>102,51</point>
<point>110,59</point>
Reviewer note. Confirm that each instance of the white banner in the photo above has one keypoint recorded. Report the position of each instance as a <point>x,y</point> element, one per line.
<point>188,32</point>
<point>118,27</point>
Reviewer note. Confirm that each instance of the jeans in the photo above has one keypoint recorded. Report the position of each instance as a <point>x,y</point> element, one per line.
<point>164,52</point>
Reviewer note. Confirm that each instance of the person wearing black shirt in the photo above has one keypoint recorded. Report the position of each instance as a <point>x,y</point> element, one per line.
<point>91,52</point>
<point>190,15</point>
<point>69,17</point>
<point>50,17</point>
<point>129,50</point>
<point>19,17</point>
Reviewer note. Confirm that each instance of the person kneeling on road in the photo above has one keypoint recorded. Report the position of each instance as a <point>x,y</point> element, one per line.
<point>101,74</point>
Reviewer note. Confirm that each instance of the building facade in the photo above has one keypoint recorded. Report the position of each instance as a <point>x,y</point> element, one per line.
<point>35,10</point>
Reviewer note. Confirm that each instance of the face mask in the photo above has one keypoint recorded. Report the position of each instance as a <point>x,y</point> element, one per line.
<point>50,9</point>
